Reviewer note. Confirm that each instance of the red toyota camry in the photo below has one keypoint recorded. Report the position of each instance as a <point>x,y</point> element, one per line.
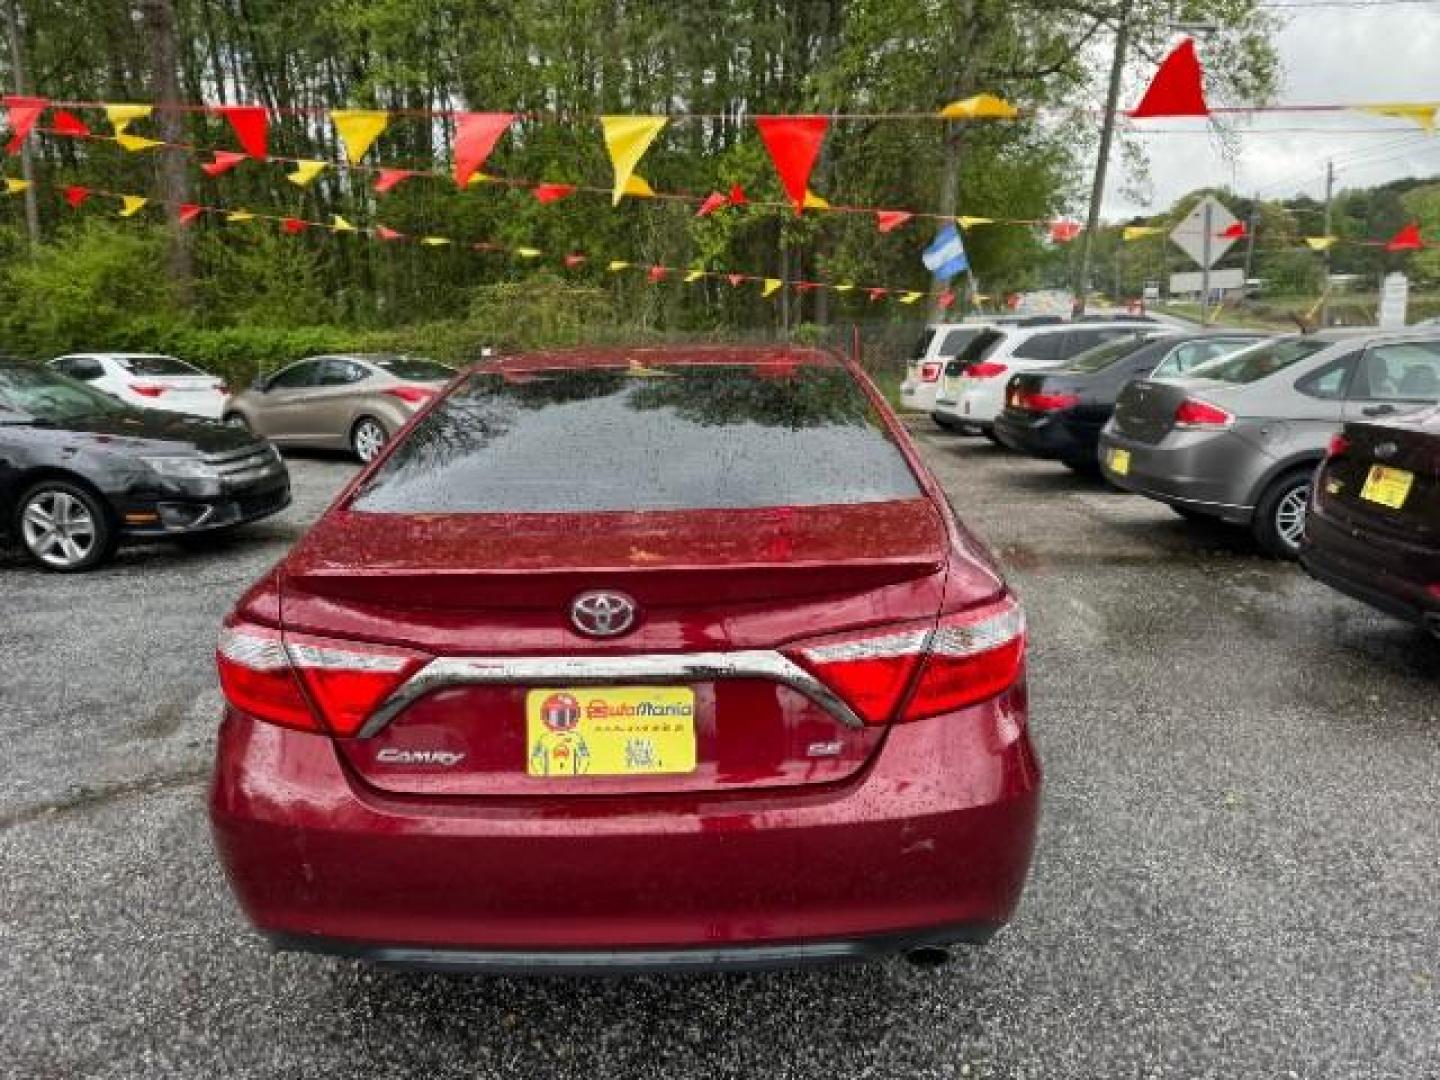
<point>642,659</point>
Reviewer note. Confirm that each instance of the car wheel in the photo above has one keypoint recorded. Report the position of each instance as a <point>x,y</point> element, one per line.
<point>1280,516</point>
<point>367,438</point>
<point>63,527</point>
<point>944,423</point>
<point>1082,466</point>
<point>989,433</point>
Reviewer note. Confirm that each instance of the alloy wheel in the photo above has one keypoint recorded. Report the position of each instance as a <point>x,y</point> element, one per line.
<point>368,439</point>
<point>58,528</point>
<point>1290,515</point>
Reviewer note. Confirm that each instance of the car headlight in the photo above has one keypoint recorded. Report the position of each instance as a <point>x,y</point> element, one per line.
<point>182,468</point>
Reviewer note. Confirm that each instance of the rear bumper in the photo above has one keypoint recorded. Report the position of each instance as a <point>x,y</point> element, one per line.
<point>1183,469</point>
<point>1043,437</point>
<point>1370,569</point>
<point>930,843</point>
<point>918,396</point>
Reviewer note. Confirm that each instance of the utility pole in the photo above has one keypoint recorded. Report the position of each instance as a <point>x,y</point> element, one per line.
<point>22,86</point>
<point>1250,241</point>
<point>1209,227</point>
<point>1329,198</point>
<point>1107,133</point>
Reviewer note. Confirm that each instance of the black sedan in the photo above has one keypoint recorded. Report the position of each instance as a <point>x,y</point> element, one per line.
<point>1373,527</point>
<point>1058,413</point>
<point>80,471</point>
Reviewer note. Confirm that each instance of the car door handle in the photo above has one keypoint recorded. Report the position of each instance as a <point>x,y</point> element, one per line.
<point>1379,410</point>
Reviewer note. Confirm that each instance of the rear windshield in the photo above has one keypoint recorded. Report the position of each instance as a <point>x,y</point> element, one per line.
<point>413,367</point>
<point>956,340</point>
<point>1258,361</point>
<point>975,350</point>
<point>666,438</point>
<point>1102,356</point>
<point>923,344</point>
<point>156,365</point>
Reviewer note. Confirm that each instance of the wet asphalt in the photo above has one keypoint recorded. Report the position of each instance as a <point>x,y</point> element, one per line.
<point>1236,876</point>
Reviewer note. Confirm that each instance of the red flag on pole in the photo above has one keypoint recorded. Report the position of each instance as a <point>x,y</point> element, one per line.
<point>225,160</point>
<point>714,201</point>
<point>548,193</point>
<point>475,136</point>
<point>1178,88</point>
<point>1234,232</point>
<point>1407,239</point>
<point>67,123</point>
<point>24,111</point>
<point>794,144</point>
<point>251,127</point>
<point>76,195</point>
<point>890,220</point>
<point>188,212</point>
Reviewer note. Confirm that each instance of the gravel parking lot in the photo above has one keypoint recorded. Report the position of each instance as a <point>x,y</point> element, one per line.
<point>1237,873</point>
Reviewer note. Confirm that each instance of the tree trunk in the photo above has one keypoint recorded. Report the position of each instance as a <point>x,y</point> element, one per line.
<point>158,17</point>
<point>22,86</point>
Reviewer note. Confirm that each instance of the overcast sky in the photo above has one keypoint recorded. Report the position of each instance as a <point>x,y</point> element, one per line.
<point>1385,53</point>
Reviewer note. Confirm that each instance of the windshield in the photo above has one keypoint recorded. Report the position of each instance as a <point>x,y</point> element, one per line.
<point>1102,356</point>
<point>48,396</point>
<point>1258,361</point>
<point>657,438</point>
<point>416,368</point>
<point>156,366</point>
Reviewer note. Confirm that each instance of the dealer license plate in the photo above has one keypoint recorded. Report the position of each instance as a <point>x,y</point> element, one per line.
<point>610,731</point>
<point>1120,462</point>
<point>1387,486</point>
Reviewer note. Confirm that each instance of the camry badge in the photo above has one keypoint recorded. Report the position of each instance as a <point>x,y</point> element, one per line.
<point>602,614</point>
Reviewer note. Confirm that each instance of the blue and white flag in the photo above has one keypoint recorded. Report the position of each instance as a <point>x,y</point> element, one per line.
<point>945,257</point>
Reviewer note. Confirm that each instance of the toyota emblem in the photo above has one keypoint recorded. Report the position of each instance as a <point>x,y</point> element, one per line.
<point>602,613</point>
<point>1386,450</point>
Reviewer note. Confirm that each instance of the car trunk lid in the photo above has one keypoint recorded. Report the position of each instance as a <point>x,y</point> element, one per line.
<point>1145,409</point>
<point>1388,479</point>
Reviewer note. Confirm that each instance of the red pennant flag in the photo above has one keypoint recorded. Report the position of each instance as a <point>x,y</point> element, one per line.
<point>890,220</point>
<point>293,225</point>
<point>389,178</point>
<point>64,122</point>
<point>548,193</point>
<point>877,294</point>
<point>76,195</point>
<point>657,274</point>
<point>806,286</point>
<point>24,111</point>
<point>737,196</point>
<point>251,127</point>
<point>945,299</point>
<point>1234,232</point>
<point>573,260</point>
<point>1407,239</point>
<point>1062,232</point>
<point>714,201</point>
<point>386,233</point>
<point>1013,301</point>
<point>794,144</point>
<point>475,136</point>
<point>1178,88</point>
<point>736,280</point>
<point>188,212</point>
<point>225,160</point>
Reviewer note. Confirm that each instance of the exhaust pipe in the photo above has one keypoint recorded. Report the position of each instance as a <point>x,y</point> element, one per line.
<point>928,956</point>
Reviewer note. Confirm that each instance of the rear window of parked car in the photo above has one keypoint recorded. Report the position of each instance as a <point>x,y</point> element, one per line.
<point>667,438</point>
<point>1102,356</point>
<point>1402,371</point>
<point>414,367</point>
<point>155,366</point>
<point>1259,361</point>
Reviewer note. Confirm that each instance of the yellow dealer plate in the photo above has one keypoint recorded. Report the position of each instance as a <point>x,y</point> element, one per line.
<point>1120,462</point>
<point>610,731</point>
<point>1387,486</point>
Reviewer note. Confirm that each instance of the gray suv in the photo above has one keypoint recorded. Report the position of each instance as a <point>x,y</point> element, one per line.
<point>1239,438</point>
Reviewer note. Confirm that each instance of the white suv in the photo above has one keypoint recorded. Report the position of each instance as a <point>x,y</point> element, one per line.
<point>940,343</point>
<point>148,381</point>
<point>972,388</point>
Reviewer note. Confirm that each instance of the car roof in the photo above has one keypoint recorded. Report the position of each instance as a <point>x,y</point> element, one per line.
<point>1336,335</point>
<point>118,356</point>
<point>667,355</point>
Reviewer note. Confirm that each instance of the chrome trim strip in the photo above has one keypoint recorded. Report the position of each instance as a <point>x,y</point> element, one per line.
<point>662,668</point>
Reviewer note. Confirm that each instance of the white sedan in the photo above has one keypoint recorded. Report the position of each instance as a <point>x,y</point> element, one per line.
<point>148,381</point>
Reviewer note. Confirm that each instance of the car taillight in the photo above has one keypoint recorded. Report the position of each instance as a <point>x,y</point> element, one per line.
<point>929,372</point>
<point>414,395</point>
<point>222,388</point>
<point>965,659</point>
<point>308,683</point>
<point>146,390</point>
<point>1339,446</point>
<point>986,370</point>
<point>1194,413</point>
<point>1047,402</point>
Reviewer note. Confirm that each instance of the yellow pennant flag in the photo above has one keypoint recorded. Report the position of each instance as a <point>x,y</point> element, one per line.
<point>529,252</point>
<point>240,215</point>
<point>122,116</point>
<point>911,297</point>
<point>846,287</point>
<point>815,202</point>
<point>971,222</point>
<point>693,276</point>
<point>639,187</point>
<point>137,143</point>
<point>358,128</point>
<point>14,187</point>
<point>434,241</point>
<point>1138,232</point>
<point>305,171</point>
<point>980,107</point>
<point>1319,243</point>
<point>617,265</point>
<point>339,224</point>
<point>772,285</point>
<point>477,178</point>
<point>1422,113</point>
<point>133,204</point>
<point>626,140</point>
<point>981,297</point>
